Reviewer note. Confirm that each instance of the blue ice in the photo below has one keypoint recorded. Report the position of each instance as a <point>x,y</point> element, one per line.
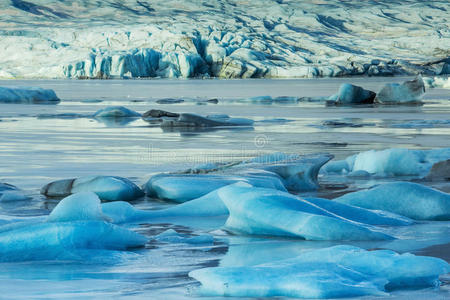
<point>76,224</point>
<point>390,162</point>
<point>110,188</point>
<point>408,199</point>
<point>261,211</point>
<point>116,112</point>
<point>334,272</point>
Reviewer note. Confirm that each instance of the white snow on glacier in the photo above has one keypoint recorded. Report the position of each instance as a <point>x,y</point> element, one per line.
<point>226,39</point>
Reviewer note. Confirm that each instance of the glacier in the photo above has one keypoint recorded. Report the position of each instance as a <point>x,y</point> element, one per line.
<point>409,199</point>
<point>28,95</point>
<point>233,39</point>
<point>333,272</point>
<point>109,188</point>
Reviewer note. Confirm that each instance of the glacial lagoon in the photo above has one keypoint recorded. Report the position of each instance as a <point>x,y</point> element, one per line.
<point>40,144</point>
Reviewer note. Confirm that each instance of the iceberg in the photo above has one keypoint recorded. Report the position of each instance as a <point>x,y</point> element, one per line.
<point>70,228</point>
<point>109,188</point>
<point>408,199</point>
<point>334,272</point>
<point>185,187</point>
<point>361,215</point>
<point>350,94</point>
<point>390,162</point>
<point>437,82</point>
<point>28,95</point>
<point>407,92</point>
<point>209,205</point>
<point>278,171</point>
<point>193,120</point>
<point>257,211</point>
<point>116,112</point>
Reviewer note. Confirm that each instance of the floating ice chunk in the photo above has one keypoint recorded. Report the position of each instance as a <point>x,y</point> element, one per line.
<point>76,207</point>
<point>171,236</point>
<point>185,187</point>
<point>407,92</point>
<point>193,120</point>
<point>320,280</point>
<point>409,199</point>
<point>390,162</point>
<point>299,173</point>
<point>76,223</point>
<point>209,205</point>
<point>437,82</point>
<point>352,94</point>
<point>110,188</point>
<point>28,95</point>
<point>116,112</point>
<point>339,271</point>
<point>361,215</point>
<point>320,274</point>
<point>257,211</point>
<point>47,241</point>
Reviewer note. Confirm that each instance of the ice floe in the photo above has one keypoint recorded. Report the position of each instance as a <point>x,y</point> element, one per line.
<point>409,199</point>
<point>408,92</point>
<point>116,112</point>
<point>350,94</point>
<point>257,211</point>
<point>390,162</point>
<point>437,82</point>
<point>110,188</point>
<point>334,272</point>
<point>28,95</point>
<point>75,224</point>
<point>279,171</point>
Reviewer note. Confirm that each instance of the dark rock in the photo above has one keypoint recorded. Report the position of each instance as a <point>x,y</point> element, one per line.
<point>439,171</point>
<point>158,113</point>
<point>169,101</point>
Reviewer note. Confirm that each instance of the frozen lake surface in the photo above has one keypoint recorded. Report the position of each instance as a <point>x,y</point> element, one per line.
<point>37,146</point>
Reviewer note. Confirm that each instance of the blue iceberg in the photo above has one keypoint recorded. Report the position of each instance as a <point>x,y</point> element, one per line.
<point>76,224</point>
<point>334,272</point>
<point>390,162</point>
<point>109,188</point>
<point>278,171</point>
<point>116,112</point>
<point>185,187</point>
<point>267,212</point>
<point>408,199</point>
<point>28,95</point>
